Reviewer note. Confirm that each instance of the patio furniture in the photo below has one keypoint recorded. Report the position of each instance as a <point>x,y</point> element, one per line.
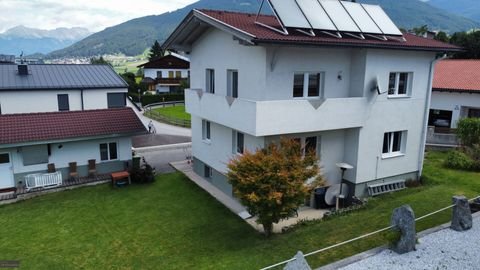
<point>51,168</point>
<point>43,180</point>
<point>72,166</point>
<point>117,176</point>
<point>92,167</point>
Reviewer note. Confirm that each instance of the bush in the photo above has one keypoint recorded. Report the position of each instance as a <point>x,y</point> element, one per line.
<point>162,98</point>
<point>468,131</point>
<point>459,160</point>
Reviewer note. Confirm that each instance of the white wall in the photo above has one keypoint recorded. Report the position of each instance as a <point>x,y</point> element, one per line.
<point>454,102</point>
<point>152,73</point>
<point>219,51</point>
<point>79,152</point>
<point>29,101</point>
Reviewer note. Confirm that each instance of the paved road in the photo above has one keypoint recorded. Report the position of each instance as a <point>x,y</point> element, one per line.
<point>161,158</point>
<point>158,139</point>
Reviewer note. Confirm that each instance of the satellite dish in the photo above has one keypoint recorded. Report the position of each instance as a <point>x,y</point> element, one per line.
<point>376,86</point>
<point>333,192</point>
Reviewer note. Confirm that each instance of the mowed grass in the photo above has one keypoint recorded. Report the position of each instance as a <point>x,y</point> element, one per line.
<point>177,111</point>
<point>172,224</point>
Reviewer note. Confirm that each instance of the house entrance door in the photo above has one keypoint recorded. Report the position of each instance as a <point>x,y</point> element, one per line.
<point>6,172</point>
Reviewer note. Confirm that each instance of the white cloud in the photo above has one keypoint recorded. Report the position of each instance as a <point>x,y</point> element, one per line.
<point>92,14</point>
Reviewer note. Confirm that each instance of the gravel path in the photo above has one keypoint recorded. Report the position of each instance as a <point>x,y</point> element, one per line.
<point>445,249</point>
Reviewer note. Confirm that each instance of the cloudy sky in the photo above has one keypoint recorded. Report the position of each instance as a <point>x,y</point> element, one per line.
<point>95,15</point>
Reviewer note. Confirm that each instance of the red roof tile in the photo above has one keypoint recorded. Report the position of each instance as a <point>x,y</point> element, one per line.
<point>36,127</point>
<point>246,22</point>
<point>457,75</point>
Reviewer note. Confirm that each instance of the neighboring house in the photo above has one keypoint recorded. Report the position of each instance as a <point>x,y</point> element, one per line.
<point>252,84</point>
<point>60,114</point>
<point>166,74</point>
<point>456,92</point>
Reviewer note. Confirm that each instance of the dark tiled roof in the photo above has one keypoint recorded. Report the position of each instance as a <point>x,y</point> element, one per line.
<point>246,23</point>
<point>457,75</point>
<point>168,61</point>
<point>60,77</point>
<point>37,127</point>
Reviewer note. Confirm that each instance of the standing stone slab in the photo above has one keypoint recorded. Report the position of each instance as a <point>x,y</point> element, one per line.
<point>461,214</point>
<point>298,264</point>
<point>404,220</point>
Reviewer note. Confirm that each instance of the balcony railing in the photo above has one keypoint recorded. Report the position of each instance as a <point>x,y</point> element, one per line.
<point>266,118</point>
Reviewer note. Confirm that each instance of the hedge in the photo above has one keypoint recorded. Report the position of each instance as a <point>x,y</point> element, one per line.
<point>468,131</point>
<point>149,99</point>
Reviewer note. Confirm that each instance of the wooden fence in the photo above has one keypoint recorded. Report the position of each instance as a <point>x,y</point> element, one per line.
<point>164,118</point>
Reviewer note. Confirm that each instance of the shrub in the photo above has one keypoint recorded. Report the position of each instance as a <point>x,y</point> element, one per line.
<point>459,160</point>
<point>468,131</point>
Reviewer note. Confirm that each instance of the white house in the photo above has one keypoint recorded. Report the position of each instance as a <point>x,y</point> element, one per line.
<point>456,92</point>
<point>254,80</point>
<point>59,114</point>
<point>166,74</point>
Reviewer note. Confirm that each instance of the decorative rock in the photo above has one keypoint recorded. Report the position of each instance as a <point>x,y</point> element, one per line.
<point>404,220</point>
<point>298,264</point>
<point>461,215</point>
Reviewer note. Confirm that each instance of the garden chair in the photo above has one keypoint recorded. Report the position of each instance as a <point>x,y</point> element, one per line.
<point>51,168</point>
<point>92,167</point>
<point>73,170</point>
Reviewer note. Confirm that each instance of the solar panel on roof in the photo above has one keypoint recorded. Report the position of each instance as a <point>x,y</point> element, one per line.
<point>340,16</point>
<point>316,15</point>
<point>289,13</point>
<point>383,21</point>
<point>362,19</point>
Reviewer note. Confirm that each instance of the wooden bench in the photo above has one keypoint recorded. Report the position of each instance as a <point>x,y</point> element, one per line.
<point>117,176</point>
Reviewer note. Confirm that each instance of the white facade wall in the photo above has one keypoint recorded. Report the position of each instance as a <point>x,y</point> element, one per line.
<point>456,103</point>
<point>351,118</point>
<point>79,151</point>
<point>32,101</point>
<point>152,73</point>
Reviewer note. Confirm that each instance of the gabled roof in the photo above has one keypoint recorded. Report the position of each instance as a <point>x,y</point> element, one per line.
<point>51,77</point>
<point>244,28</point>
<point>167,62</point>
<point>53,126</point>
<point>457,75</point>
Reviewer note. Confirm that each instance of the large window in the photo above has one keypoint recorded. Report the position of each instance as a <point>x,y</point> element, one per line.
<point>108,151</point>
<point>63,104</point>
<point>308,144</point>
<point>238,142</point>
<point>232,83</point>
<point>117,100</point>
<point>210,81</point>
<point>33,155</point>
<point>307,85</point>
<point>398,84</point>
<point>206,133</point>
<point>393,143</point>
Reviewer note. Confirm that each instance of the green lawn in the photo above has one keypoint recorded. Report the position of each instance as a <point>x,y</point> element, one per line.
<point>172,224</point>
<point>177,111</point>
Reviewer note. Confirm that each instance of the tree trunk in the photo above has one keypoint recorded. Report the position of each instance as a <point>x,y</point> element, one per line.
<point>267,228</point>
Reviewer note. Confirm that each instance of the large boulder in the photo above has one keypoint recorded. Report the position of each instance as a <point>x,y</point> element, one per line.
<point>461,214</point>
<point>403,219</point>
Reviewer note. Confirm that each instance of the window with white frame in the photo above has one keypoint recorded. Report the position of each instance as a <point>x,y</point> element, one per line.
<point>108,151</point>
<point>393,143</point>
<point>210,81</point>
<point>307,85</point>
<point>238,142</point>
<point>232,83</point>
<point>398,84</point>
<point>206,133</point>
<point>308,144</point>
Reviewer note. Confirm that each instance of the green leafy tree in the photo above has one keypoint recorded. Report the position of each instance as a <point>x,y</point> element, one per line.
<point>156,51</point>
<point>470,42</point>
<point>420,31</point>
<point>99,61</point>
<point>271,182</point>
<point>468,131</point>
<point>442,36</point>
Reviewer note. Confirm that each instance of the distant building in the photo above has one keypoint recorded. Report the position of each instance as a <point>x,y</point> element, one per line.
<point>456,92</point>
<point>7,59</point>
<point>166,74</point>
<point>58,114</point>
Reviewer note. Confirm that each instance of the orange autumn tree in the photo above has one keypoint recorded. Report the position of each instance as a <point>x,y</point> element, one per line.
<point>271,182</point>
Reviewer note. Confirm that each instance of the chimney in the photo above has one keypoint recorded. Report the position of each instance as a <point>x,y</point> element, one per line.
<point>22,69</point>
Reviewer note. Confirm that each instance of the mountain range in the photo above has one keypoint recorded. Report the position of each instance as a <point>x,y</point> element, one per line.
<point>134,36</point>
<point>32,40</point>
<point>467,8</point>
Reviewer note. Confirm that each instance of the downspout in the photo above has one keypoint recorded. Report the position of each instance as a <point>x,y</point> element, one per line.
<point>428,101</point>
<point>81,97</point>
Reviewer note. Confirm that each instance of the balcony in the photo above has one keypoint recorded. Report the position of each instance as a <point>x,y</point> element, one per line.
<point>266,118</point>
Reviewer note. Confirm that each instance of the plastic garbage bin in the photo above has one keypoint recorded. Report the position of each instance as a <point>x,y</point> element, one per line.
<point>320,198</point>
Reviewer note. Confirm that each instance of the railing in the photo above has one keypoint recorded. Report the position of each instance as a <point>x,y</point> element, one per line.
<point>43,180</point>
<point>164,118</point>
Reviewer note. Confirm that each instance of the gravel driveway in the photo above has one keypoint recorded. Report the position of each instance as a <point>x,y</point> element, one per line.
<point>445,249</point>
